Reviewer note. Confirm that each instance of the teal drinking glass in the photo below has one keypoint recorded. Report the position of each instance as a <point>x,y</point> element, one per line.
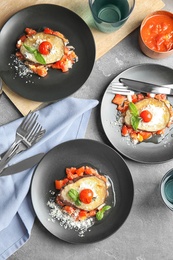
<point>110,15</point>
<point>167,189</point>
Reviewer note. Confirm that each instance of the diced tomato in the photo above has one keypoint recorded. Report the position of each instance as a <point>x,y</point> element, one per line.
<point>70,210</point>
<point>123,108</point>
<point>39,70</point>
<point>160,96</point>
<point>30,31</point>
<point>80,171</point>
<point>60,183</point>
<point>82,215</point>
<point>134,98</point>
<point>119,99</point>
<point>70,170</point>
<point>124,130</point>
<point>48,31</point>
<point>160,132</point>
<point>145,134</point>
<point>90,171</point>
<point>140,96</point>
<point>150,95</point>
<point>134,135</point>
<point>130,129</point>
<point>61,64</point>
<point>92,213</point>
<point>71,173</point>
<point>72,176</point>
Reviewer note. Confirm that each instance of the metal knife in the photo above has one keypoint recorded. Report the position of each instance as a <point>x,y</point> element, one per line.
<point>146,87</point>
<point>23,165</point>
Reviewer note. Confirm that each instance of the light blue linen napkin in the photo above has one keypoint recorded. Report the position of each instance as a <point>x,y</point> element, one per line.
<point>63,121</point>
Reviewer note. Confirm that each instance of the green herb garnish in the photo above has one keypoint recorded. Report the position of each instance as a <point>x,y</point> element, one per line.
<point>36,53</point>
<point>74,195</point>
<point>100,213</point>
<point>135,119</point>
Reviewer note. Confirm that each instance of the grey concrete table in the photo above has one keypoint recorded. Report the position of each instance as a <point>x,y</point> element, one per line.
<point>147,234</point>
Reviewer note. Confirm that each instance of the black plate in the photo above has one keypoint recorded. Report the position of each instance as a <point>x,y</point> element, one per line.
<point>75,153</point>
<point>56,85</point>
<point>143,152</point>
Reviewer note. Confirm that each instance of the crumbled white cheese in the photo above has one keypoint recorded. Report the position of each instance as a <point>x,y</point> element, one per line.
<point>67,221</point>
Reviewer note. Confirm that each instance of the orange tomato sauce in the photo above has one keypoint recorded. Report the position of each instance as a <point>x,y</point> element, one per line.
<point>157,33</point>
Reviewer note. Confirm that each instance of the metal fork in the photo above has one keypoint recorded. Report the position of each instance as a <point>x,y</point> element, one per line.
<point>120,88</point>
<point>33,136</point>
<point>22,130</point>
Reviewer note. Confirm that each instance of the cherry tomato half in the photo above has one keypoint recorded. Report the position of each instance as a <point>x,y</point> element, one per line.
<point>86,196</point>
<point>45,47</point>
<point>146,116</point>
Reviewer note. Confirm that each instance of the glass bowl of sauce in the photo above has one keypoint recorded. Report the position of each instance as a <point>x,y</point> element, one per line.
<point>156,35</point>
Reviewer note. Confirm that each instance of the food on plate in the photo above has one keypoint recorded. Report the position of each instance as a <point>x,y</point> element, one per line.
<point>157,32</point>
<point>83,193</point>
<point>144,115</point>
<point>91,189</point>
<point>49,46</point>
<point>154,115</point>
<point>43,50</point>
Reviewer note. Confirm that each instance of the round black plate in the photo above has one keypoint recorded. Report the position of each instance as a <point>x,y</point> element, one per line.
<point>56,85</point>
<point>75,153</point>
<point>143,152</point>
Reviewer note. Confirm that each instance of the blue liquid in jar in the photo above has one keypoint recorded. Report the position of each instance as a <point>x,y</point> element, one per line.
<point>168,189</point>
<point>110,13</point>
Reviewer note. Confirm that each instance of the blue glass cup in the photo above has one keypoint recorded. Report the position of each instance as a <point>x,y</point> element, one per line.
<point>167,189</point>
<point>110,15</point>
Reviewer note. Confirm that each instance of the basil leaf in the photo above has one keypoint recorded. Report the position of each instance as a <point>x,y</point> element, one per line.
<point>36,53</point>
<point>39,57</point>
<point>100,213</point>
<point>29,48</point>
<point>78,202</point>
<point>135,119</point>
<point>105,208</point>
<point>73,194</point>
<point>135,122</point>
<point>133,109</point>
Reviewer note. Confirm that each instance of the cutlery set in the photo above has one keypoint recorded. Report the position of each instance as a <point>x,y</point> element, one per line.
<point>28,133</point>
<point>129,87</point>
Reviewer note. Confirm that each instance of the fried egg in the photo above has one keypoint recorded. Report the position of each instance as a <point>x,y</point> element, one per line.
<point>158,109</point>
<point>35,40</point>
<point>97,185</point>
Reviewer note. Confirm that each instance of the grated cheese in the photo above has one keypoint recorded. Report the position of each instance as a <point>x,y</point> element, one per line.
<point>68,222</point>
<point>21,70</point>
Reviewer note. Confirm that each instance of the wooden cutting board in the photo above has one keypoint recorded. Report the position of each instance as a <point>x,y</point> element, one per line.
<point>104,42</point>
